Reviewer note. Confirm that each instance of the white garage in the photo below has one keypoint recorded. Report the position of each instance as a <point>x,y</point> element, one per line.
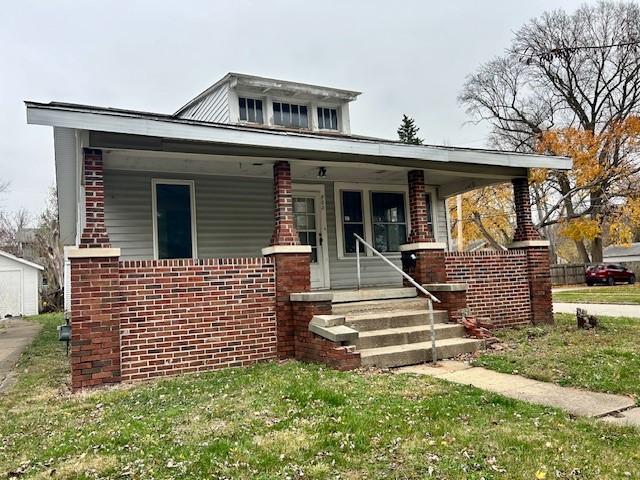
<point>19,286</point>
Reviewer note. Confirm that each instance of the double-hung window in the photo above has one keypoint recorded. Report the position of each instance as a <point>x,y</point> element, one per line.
<point>352,219</point>
<point>250,110</point>
<point>174,231</point>
<point>389,221</point>
<point>327,118</point>
<point>290,115</point>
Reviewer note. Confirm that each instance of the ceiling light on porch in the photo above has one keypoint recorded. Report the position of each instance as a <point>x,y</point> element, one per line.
<point>322,172</point>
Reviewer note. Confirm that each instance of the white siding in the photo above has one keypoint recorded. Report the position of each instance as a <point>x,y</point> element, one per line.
<point>213,107</point>
<point>234,219</point>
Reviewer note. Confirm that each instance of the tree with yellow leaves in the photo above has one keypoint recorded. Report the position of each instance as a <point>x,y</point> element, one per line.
<point>570,85</point>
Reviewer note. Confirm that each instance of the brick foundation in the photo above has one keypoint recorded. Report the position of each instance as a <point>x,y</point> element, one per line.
<point>429,266</point>
<point>314,348</point>
<point>293,274</point>
<point>95,341</point>
<point>539,275</point>
<point>452,302</point>
<point>498,285</point>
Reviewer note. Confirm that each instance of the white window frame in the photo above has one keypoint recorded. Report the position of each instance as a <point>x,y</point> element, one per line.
<point>265,120</point>
<point>291,102</point>
<point>154,212</point>
<point>366,189</point>
<point>338,117</point>
<point>433,193</point>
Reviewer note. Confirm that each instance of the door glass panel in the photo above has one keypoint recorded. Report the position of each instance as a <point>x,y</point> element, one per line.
<point>305,222</point>
<point>173,220</point>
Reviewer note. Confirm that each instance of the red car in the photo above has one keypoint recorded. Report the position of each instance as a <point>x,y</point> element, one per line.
<point>609,274</point>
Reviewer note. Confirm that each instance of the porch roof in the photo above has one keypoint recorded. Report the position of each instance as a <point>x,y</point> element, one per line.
<point>161,132</point>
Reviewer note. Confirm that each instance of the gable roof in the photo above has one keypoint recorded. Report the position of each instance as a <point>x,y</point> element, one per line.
<point>21,260</point>
<point>632,250</point>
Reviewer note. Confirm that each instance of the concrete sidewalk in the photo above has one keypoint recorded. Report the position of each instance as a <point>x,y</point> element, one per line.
<point>15,335</point>
<point>605,309</point>
<point>614,408</point>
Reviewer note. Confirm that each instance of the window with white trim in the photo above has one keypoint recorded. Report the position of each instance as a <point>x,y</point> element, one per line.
<point>428,198</point>
<point>327,118</point>
<point>389,221</point>
<point>174,219</point>
<point>352,219</point>
<point>379,214</point>
<point>290,115</point>
<point>250,110</point>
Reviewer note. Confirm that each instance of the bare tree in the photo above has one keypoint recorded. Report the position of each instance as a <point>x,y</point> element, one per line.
<point>48,245</point>
<point>12,227</point>
<point>578,71</point>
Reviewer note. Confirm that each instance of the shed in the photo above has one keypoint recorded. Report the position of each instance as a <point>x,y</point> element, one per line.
<point>19,285</point>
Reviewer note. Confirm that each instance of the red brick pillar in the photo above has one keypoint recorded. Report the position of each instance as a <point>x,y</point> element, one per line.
<point>527,238</point>
<point>95,290</point>
<point>94,232</point>
<point>423,257</point>
<point>292,260</point>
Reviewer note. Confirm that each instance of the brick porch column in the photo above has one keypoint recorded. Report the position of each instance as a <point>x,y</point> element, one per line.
<point>95,289</point>
<point>292,260</point>
<point>527,238</point>
<point>423,257</point>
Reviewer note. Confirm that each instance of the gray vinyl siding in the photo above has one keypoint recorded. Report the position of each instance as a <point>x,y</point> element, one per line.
<point>214,107</point>
<point>64,140</point>
<point>234,218</point>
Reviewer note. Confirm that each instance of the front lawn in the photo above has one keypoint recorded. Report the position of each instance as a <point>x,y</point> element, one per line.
<point>606,359</point>
<point>291,420</point>
<point>601,294</point>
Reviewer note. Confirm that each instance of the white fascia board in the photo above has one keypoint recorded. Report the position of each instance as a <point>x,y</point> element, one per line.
<point>117,122</point>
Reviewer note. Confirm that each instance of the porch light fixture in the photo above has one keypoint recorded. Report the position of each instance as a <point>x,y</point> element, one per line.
<point>322,172</point>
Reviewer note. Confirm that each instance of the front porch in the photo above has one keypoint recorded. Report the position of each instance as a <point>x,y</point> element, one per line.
<point>144,313</point>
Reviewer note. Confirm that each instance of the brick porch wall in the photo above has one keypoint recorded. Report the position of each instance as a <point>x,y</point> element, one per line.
<point>181,316</point>
<point>498,284</point>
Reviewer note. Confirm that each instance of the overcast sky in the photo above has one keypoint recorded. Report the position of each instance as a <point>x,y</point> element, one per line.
<point>406,57</point>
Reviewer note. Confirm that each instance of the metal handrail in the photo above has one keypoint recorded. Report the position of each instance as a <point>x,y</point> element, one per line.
<point>420,288</point>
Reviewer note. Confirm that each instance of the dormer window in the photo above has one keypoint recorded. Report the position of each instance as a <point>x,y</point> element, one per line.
<point>290,115</point>
<point>250,110</point>
<point>327,118</point>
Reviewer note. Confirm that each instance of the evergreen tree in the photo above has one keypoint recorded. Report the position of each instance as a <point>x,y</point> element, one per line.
<point>408,132</point>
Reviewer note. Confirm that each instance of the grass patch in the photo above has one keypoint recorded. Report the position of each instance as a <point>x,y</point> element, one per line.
<point>605,359</point>
<point>629,294</point>
<point>291,420</point>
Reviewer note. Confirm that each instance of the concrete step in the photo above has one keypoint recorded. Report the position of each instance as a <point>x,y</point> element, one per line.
<point>413,353</point>
<point>377,320</point>
<point>404,335</point>
<point>369,294</point>
<point>389,305</point>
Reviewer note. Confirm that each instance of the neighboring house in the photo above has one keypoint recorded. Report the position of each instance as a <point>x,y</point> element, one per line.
<point>19,286</point>
<point>621,253</point>
<point>212,237</point>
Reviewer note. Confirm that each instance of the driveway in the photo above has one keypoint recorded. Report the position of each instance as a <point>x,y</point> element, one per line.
<point>605,309</point>
<point>15,335</point>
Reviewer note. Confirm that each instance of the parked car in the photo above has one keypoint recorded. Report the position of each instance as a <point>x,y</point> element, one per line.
<point>609,274</point>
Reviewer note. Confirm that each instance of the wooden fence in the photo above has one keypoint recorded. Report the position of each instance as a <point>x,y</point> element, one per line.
<point>568,273</point>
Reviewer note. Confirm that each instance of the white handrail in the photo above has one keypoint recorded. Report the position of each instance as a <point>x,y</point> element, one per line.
<point>430,297</point>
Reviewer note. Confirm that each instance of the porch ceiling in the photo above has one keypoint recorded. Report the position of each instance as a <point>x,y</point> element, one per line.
<point>448,182</point>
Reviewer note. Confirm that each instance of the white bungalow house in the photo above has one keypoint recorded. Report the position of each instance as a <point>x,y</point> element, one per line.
<point>254,192</point>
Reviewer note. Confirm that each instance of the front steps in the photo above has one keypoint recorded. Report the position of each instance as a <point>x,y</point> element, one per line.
<point>394,327</point>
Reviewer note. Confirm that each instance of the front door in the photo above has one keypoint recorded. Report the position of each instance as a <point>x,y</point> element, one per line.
<point>310,221</point>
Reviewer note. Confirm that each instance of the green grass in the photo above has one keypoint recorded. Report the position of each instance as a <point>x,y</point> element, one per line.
<point>601,294</point>
<point>605,359</point>
<point>291,420</point>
